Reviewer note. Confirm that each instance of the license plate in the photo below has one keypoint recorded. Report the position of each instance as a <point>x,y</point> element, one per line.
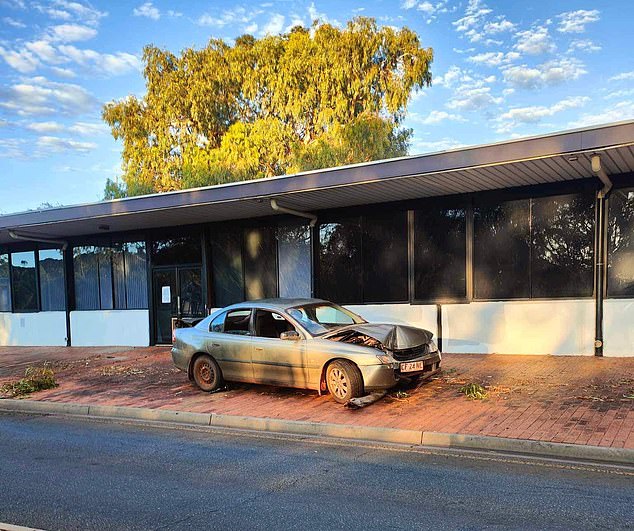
<point>412,366</point>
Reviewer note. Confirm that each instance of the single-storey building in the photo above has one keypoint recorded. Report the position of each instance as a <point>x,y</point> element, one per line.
<point>518,247</point>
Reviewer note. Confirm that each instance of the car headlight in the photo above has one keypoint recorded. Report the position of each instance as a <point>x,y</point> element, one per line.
<point>432,347</point>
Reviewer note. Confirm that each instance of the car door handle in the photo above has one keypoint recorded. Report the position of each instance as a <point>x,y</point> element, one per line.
<point>259,348</point>
<point>215,345</point>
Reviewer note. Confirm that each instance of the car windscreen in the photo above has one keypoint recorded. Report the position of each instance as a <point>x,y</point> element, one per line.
<point>320,318</point>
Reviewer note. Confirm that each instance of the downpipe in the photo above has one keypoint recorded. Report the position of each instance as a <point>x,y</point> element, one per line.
<point>63,244</point>
<point>601,255</point>
<point>279,208</point>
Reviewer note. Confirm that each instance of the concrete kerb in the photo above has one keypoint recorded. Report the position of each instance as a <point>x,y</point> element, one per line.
<point>337,431</point>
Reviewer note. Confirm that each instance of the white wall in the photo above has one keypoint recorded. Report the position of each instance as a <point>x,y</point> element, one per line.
<point>46,329</point>
<point>520,327</point>
<point>421,316</point>
<point>106,328</point>
<point>618,327</point>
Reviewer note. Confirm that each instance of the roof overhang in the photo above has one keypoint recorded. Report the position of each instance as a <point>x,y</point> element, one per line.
<point>558,157</point>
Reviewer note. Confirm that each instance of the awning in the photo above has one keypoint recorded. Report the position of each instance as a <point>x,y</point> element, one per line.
<point>537,160</point>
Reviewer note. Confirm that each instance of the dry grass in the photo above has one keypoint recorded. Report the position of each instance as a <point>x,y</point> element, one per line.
<point>35,379</point>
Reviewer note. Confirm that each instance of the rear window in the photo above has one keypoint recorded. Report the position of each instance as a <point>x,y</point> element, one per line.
<point>237,322</point>
<point>217,323</point>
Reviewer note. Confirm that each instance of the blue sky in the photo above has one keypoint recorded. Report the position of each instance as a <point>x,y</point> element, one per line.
<point>502,70</point>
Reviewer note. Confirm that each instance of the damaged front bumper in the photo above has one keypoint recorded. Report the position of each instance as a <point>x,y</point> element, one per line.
<point>385,376</point>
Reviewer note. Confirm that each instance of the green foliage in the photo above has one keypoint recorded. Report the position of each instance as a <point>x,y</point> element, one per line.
<point>308,99</point>
<point>35,379</point>
<point>474,391</point>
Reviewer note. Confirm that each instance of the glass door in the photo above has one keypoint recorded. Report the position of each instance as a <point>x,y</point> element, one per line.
<point>177,293</point>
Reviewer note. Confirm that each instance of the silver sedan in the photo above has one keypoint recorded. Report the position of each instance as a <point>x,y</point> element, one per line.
<point>305,343</point>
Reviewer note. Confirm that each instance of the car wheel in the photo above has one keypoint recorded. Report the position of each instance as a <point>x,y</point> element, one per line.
<point>206,373</point>
<point>344,380</point>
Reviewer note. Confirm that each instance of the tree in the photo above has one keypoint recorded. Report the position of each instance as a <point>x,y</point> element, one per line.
<point>311,98</point>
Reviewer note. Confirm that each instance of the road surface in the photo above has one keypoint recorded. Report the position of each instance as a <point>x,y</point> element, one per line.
<point>59,473</point>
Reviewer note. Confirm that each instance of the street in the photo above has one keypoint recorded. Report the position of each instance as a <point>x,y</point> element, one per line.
<point>60,473</point>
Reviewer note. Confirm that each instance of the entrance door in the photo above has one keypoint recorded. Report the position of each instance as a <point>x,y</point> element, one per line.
<point>177,293</point>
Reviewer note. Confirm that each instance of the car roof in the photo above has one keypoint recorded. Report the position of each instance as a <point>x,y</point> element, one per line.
<point>275,304</point>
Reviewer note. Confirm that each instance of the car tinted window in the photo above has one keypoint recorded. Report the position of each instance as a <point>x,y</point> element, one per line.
<point>271,324</point>
<point>217,323</point>
<point>237,322</point>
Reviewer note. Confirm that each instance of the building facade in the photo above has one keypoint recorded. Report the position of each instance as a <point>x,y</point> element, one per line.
<point>522,247</point>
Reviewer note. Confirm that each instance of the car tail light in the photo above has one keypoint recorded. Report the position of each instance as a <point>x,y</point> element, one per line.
<point>173,335</point>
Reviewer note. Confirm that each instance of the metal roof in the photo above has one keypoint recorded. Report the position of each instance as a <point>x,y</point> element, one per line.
<point>550,158</point>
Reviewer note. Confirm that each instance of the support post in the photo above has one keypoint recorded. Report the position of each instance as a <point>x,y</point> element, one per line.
<point>600,273</point>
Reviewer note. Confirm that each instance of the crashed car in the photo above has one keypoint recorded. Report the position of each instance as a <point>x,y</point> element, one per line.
<point>304,343</point>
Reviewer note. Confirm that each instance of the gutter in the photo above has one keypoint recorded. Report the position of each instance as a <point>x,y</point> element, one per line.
<point>601,232</point>
<point>279,208</point>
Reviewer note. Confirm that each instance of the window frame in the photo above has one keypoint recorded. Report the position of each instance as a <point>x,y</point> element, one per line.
<point>36,266</point>
<point>257,309</point>
<point>607,295</point>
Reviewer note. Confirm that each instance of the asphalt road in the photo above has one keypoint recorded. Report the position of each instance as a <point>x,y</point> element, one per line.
<point>57,473</point>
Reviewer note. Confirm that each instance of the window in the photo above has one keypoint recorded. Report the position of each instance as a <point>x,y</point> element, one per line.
<point>52,285</point>
<point>385,257</point>
<point>562,246</point>
<point>260,266</point>
<point>24,281</point>
<point>440,253</point>
<point>340,261</point>
<point>5,284</point>
<point>271,324</point>
<point>621,243</point>
<point>177,250</point>
<point>501,250</point>
<point>318,318</point>
<point>108,277</point>
<point>217,323</point>
<point>237,322</point>
<point>226,259</point>
<point>294,259</point>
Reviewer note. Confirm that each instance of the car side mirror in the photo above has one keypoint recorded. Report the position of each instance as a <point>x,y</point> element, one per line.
<point>291,335</point>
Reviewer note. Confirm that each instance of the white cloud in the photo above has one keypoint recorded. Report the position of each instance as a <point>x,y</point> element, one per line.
<point>623,110</point>
<point>583,45</point>
<point>619,94</point>
<point>21,60</point>
<point>549,73</point>
<point>71,10</point>
<point>71,33</point>
<point>494,59</point>
<point>103,63</point>
<point>498,26</point>
<point>472,99</point>
<point>536,113</point>
<point>45,127</point>
<point>88,128</point>
<point>251,28</point>
<point>535,41</point>
<point>623,76</point>
<point>425,146</point>
<point>238,15</point>
<point>575,21</point>
<point>275,25</point>
<point>45,51</point>
<point>38,96</point>
<point>13,23</point>
<point>476,24</point>
<point>436,117</point>
<point>409,4</point>
<point>147,10</point>
<point>56,144</point>
<point>66,73</point>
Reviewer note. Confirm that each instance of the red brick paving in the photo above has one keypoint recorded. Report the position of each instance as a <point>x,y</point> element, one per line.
<point>579,400</point>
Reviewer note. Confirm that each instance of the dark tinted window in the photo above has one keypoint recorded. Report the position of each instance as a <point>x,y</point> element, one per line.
<point>237,322</point>
<point>271,324</point>
<point>260,263</point>
<point>24,280</point>
<point>440,253</point>
<point>86,269</point>
<point>217,323</point>
<point>135,264</point>
<point>340,261</point>
<point>621,243</point>
<point>5,284</point>
<point>226,260</point>
<point>294,259</point>
<point>177,250</point>
<point>385,257</point>
<point>563,246</point>
<point>52,286</point>
<point>501,250</point>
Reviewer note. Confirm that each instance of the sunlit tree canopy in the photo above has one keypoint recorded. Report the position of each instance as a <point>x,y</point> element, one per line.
<point>312,98</point>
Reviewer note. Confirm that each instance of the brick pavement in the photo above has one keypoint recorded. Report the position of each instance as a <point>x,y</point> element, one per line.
<point>578,400</point>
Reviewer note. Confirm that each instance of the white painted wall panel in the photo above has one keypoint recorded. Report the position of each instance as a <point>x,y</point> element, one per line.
<point>105,328</point>
<point>520,327</point>
<point>618,327</point>
<point>46,329</point>
<point>422,316</point>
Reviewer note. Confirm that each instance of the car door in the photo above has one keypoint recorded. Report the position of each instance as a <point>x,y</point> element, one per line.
<point>277,361</point>
<point>230,344</point>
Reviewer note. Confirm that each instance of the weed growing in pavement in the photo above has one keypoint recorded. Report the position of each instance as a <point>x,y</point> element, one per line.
<point>35,379</point>
<point>474,391</point>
